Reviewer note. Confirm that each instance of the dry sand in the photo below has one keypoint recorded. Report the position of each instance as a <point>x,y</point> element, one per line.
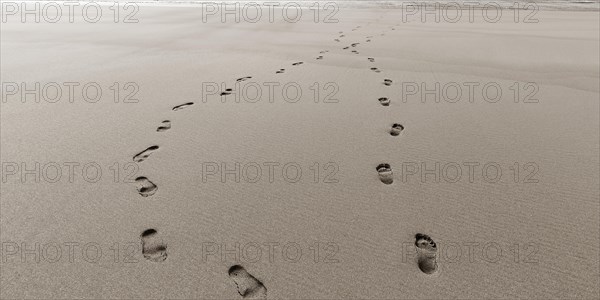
<point>547,232</point>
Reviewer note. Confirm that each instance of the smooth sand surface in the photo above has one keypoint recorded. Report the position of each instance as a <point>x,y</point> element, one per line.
<point>547,232</point>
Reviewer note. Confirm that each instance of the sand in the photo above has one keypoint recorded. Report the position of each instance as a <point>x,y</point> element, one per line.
<point>337,233</point>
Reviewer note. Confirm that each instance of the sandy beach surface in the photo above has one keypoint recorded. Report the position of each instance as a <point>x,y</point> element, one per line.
<point>287,186</point>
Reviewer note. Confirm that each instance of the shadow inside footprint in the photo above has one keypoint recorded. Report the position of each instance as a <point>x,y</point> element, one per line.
<point>145,186</point>
<point>385,173</point>
<point>182,106</point>
<point>387,82</point>
<point>140,157</point>
<point>166,125</point>
<point>247,285</point>
<point>396,129</point>
<point>426,253</point>
<point>153,248</point>
<point>384,101</point>
<point>243,78</point>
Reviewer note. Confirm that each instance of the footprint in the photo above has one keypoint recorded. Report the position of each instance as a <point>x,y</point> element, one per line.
<point>243,78</point>
<point>153,247</point>
<point>166,125</point>
<point>387,82</point>
<point>320,57</point>
<point>384,101</point>
<point>342,36</point>
<point>396,129</point>
<point>324,51</point>
<point>385,173</point>
<point>247,285</point>
<point>354,44</point>
<point>337,40</point>
<point>297,63</point>
<point>375,70</point>
<point>368,41</point>
<point>140,157</point>
<point>182,106</point>
<point>226,92</point>
<point>354,51</point>
<point>371,59</point>
<point>146,187</point>
<point>280,71</point>
<point>426,253</point>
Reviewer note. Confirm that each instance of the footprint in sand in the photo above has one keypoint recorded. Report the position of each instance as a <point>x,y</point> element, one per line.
<point>385,173</point>
<point>384,101</point>
<point>243,78</point>
<point>226,92</point>
<point>375,70</point>
<point>280,71</point>
<point>368,41</point>
<point>182,106</point>
<point>396,129</point>
<point>324,51</point>
<point>354,51</point>
<point>337,40</point>
<point>345,48</point>
<point>145,186</point>
<point>387,82</point>
<point>354,44</point>
<point>320,57</point>
<point>426,253</point>
<point>166,125</point>
<point>247,285</point>
<point>153,248</point>
<point>297,63</point>
<point>140,157</point>
<point>371,59</point>
<point>342,36</point>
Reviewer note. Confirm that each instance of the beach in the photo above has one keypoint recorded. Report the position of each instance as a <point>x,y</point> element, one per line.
<point>112,189</point>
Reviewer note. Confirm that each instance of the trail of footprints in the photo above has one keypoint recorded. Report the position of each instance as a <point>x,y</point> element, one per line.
<point>154,248</point>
